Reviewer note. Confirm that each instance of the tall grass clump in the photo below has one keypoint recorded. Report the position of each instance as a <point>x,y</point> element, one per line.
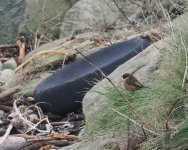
<point>177,138</point>
<point>163,105</point>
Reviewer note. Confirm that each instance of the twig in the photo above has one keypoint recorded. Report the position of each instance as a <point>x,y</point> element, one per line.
<point>38,145</point>
<point>30,124</point>
<point>4,59</point>
<point>10,92</point>
<point>5,136</point>
<point>60,123</point>
<point>144,133</point>
<point>35,126</point>
<point>64,59</point>
<point>111,82</point>
<point>4,47</point>
<point>37,138</point>
<point>38,110</point>
<point>61,52</point>
<point>22,49</point>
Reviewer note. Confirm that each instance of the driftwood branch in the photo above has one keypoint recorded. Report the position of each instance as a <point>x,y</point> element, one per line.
<point>4,47</point>
<point>38,54</point>
<point>5,136</point>
<point>38,145</point>
<point>22,48</point>
<point>20,44</point>
<point>10,92</point>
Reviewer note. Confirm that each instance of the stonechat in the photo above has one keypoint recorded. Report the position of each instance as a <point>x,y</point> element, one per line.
<point>131,83</point>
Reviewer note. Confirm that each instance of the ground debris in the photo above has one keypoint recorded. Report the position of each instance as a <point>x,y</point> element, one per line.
<point>40,130</point>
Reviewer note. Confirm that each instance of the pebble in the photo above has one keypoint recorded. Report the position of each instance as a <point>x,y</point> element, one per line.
<point>10,64</point>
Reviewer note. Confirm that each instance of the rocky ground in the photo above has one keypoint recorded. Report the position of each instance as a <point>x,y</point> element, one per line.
<point>102,126</point>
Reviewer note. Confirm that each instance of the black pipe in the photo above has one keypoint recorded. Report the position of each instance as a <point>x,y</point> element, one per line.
<point>65,89</point>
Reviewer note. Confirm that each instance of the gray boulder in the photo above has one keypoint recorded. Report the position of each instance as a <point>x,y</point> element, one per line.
<point>15,14</point>
<point>144,65</point>
<point>97,15</point>
<point>12,15</point>
<point>45,17</point>
<point>13,143</point>
<point>88,14</point>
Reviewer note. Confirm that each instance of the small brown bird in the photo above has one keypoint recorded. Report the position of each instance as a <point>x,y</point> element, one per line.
<point>131,83</point>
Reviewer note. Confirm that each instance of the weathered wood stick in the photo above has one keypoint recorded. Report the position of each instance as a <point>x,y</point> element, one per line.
<point>60,52</point>
<point>4,59</point>
<point>5,136</point>
<point>4,47</point>
<point>38,145</point>
<point>22,48</point>
<point>60,136</point>
<point>10,92</point>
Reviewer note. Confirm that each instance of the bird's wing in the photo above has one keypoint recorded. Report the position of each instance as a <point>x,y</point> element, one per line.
<point>133,81</point>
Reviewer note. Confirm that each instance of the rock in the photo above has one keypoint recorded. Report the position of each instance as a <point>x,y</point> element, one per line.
<point>42,13</point>
<point>12,15</point>
<point>10,64</point>
<point>2,131</point>
<point>94,101</point>
<point>138,64</point>
<point>72,147</point>
<point>19,124</point>
<point>88,14</point>
<point>8,77</point>
<point>17,14</point>
<point>13,143</point>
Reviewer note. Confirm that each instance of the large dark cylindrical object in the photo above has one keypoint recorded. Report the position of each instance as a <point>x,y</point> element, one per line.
<point>65,89</point>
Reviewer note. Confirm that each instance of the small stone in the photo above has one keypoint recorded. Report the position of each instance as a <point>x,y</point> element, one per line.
<point>10,64</point>
<point>33,118</point>
<point>12,143</point>
<point>6,77</point>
